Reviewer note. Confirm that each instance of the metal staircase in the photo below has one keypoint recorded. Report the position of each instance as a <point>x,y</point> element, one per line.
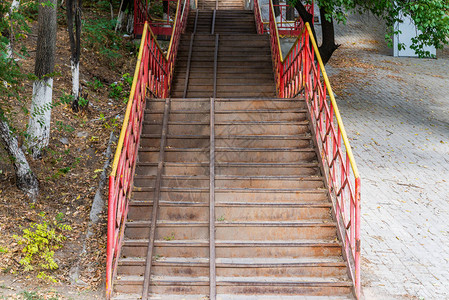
<point>230,195</point>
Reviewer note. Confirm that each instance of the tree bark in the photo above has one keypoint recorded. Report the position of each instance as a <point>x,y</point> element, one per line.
<point>39,124</point>
<point>124,15</point>
<point>73,9</point>
<point>10,35</point>
<point>303,13</point>
<point>328,45</point>
<point>277,10</point>
<point>25,178</point>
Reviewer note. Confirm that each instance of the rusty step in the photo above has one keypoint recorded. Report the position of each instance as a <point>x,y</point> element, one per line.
<point>244,230</point>
<point>233,43</point>
<point>168,285</point>
<point>233,155</point>
<point>227,59</point>
<point>176,105</point>
<point>238,211</point>
<point>250,104</point>
<point>224,49</point>
<point>243,141</point>
<point>249,94</point>
<point>237,169</point>
<point>269,182</point>
<point>227,64</point>
<point>226,55</point>
<point>227,91</point>
<point>227,73</point>
<point>234,195</point>
<point>227,267</point>
<point>235,248</point>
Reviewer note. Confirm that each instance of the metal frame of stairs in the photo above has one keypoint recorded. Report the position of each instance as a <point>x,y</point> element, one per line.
<point>239,135</point>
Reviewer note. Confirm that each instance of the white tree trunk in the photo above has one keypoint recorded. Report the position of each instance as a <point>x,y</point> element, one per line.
<point>39,124</point>
<point>130,24</point>
<point>75,78</point>
<point>120,17</point>
<point>25,178</point>
<point>14,6</point>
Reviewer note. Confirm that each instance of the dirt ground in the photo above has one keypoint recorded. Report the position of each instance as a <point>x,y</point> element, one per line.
<point>68,173</point>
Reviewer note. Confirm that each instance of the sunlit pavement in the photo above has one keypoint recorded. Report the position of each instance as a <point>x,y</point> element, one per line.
<point>396,112</point>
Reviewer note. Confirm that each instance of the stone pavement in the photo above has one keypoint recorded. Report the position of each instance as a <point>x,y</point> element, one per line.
<point>396,112</point>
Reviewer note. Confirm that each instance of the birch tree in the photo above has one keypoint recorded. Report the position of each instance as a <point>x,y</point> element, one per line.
<point>73,12</point>
<point>125,15</point>
<point>25,178</point>
<point>14,7</point>
<point>9,72</point>
<point>38,133</point>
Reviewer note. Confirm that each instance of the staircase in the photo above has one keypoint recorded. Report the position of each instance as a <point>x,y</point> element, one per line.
<point>244,66</point>
<point>231,173</point>
<point>221,5</point>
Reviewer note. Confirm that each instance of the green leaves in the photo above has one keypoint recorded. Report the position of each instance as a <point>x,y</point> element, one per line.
<point>431,17</point>
<point>40,240</point>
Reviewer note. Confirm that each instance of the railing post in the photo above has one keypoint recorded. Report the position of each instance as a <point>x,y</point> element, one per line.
<point>357,237</point>
<point>303,69</point>
<point>110,237</point>
<point>282,78</point>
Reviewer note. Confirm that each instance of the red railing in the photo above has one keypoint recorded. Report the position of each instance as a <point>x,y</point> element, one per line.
<point>302,73</point>
<point>153,74</point>
<point>140,15</point>
<point>288,27</point>
<point>258,17</point>
<point>285,27</point>
<point>158,23</point>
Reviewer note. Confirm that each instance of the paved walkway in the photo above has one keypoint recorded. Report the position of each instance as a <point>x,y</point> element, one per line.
<point>396,112</point>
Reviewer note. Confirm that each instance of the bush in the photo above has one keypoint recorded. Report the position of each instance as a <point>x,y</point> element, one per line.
<point>39,241</point>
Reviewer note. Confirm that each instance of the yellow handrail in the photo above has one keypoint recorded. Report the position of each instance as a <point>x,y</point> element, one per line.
<point>277,32</point>
<point>174,26</point>
<point>146,30</point>
<point>334,104</point>
<point>130,103</point>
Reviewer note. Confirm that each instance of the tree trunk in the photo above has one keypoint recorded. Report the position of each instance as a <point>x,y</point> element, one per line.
<point>10,35</point>
<point>73,8</point>
<point>303,13</point>
<point>328,45</point>
<point>25,178</point>
<point>126,12</point>
<point>39,124</point>
<point>277,10</point>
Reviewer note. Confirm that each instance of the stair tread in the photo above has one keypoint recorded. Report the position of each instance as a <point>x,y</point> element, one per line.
<point>243,177</point>
<point>247,190</point>
<point>198,136</point>
<point>228,204</point>
<point>232,164</point>
<point>298,223</point>
<point>240,262</point>
<point>228,149</point>
<point>232,297</point>
<point>234,122</point>
<point>237,243</point>
<point>159,279</point>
